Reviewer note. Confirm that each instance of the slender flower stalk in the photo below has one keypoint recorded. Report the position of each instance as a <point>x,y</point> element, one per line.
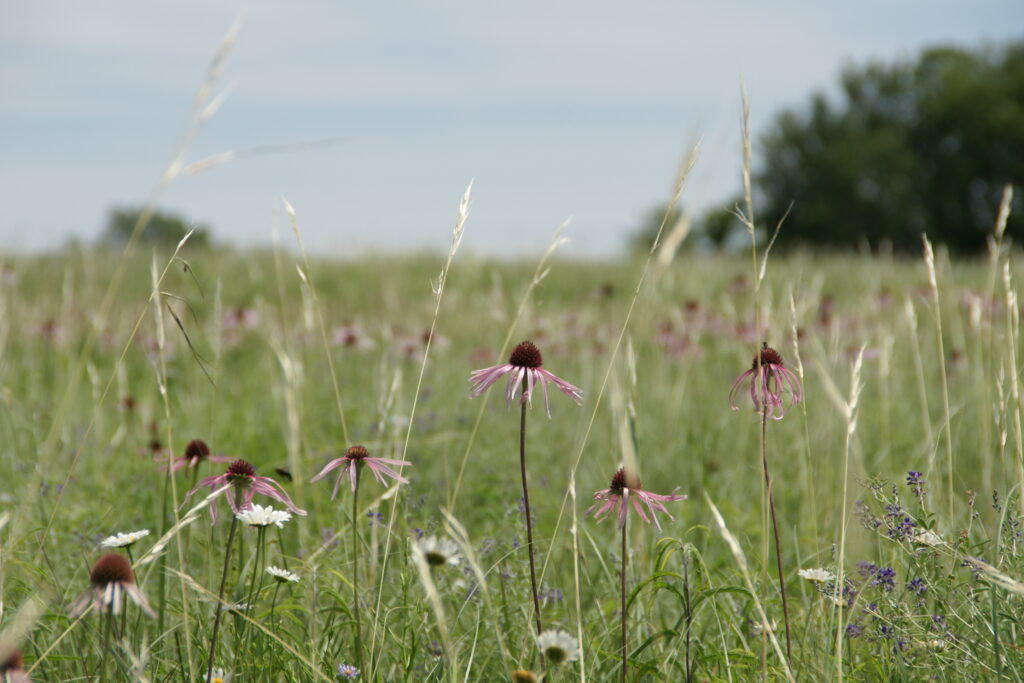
<point>219,609</point>
<point>382,468</point>
<point>244,484</point>
<point>623,606</point>
<point>529,514</point>
<point>625,489</point>
<point>769,379</point>
<point>355,566</point>
<point>525,372</point>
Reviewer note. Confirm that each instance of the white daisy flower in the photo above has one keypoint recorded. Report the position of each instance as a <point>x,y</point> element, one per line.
<point>929,538</point>
<point>219,676</point>
<point>816,575</point>
<point>263,516</point>
<point>283,575</point>
<point>437,552</point>
<point>558,647</point>
<point>124,540</point>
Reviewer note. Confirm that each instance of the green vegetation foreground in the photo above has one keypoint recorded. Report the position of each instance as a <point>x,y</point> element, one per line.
<point>896,480</point>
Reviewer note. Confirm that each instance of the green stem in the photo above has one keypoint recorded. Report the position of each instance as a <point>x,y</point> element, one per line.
<point>253,591</point>
<point>355,573</point>
<point>223,584</point>
<point>775,529</point>
<point>622,583</point>
<point>526,504</point>
<point>689,614</point>
<point>273,602</point>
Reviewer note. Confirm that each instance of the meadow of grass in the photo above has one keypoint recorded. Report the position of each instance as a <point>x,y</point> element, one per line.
<point>240,351</point>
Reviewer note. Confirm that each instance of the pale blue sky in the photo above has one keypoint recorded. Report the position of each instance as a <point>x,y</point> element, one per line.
<point>555,108</point>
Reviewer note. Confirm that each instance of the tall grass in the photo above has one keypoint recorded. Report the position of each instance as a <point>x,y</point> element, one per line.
<point>689,334</point>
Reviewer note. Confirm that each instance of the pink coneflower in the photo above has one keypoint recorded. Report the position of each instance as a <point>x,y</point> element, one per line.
<point>617,497</point>
<point>111,578</point>
<point>12,669</point>
<point>244,485</point>
<point>769,378</point>
<point>358,455</point>
<point>625,487</point>
<point>525,362</point>
<point>196,453</point>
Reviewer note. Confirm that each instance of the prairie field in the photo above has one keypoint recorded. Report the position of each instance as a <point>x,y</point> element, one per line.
<point>898,474</point>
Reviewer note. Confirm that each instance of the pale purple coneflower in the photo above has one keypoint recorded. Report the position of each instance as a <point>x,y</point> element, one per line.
<point>358,455</point>
<point>244,485</point>
<point>769,379</point>
<point>523,364</point>
<point>12,669</point>
<point>524,371</point>
<point>625,488</point>
<point>381,468</point>
<point>196,453</point>
<point>112,579</point>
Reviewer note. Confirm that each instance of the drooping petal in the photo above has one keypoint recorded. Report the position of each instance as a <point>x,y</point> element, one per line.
<point>543,377</point>
<point>379,469</point>
<point>84,600</point>
<point>531,377</point>
<point>569,390</point>
<point>334,464</point>
<point>139,599</point>
<point>484,378</point>
<point>735,388</point>
<point>270,488</point>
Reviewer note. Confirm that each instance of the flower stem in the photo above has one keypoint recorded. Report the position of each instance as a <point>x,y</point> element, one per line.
<point>223,584</point>
<point>526,504</point>
<point>775,528</point>
<point>622,582</point>
<point>689,614</point>
<point>355,574</point>
<point>251,595</point>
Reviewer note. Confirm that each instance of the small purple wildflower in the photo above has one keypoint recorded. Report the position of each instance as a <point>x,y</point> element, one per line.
<point>854,630</point>
<point>917,586</point>
<point>866,569</point>
<point>915,482</point>
<point>348,671</point>
<point>886,578</point>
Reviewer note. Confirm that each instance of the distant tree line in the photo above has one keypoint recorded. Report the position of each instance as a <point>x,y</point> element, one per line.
<point>917,146</point>
<point>162,229</point>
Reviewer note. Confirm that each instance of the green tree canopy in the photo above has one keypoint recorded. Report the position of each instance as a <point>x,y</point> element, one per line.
<point>911,147</point>
<point>163,229</point>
